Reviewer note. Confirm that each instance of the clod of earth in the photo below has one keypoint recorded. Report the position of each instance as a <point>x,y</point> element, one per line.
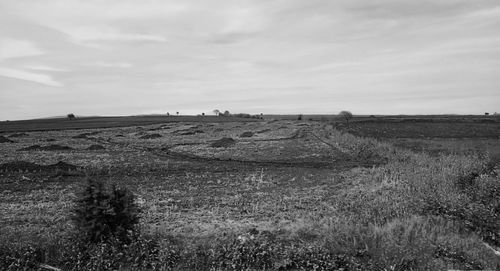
<point>223,143</point>
<point>151,136</point>
<point>62,166</point>
<point>263,131</point>
<point>95,147</point>
<point>31,148</point>
<point>32,167</point>
<point>3,139</point>
<point>247,134</point>
<point>85,135</point>
<point>80,136</point>
<point>54,147</point>
<point>18,135</point>
<point>19,166</point>
<point>192,132</point>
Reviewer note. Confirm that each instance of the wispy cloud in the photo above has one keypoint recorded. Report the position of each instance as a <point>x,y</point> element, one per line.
<point>41,67</point>
<point>111,64</point>
<point>29,76</point>
<point>104,33</point>
<point>13,48</point>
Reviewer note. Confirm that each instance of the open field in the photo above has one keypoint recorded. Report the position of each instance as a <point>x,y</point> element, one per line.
<point>240,194</point>
<point>434,135</point>
<point>102,122</point>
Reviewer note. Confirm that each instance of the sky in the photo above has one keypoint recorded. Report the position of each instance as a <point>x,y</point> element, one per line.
<point>124,57</point>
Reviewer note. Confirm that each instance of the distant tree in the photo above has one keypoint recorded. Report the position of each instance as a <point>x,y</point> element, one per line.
<point>177,113</point>
<point>299,117</point>
<point>203,114</point>
<point>346,115</point>
<point>226,113</point>
<point>216,112</point>
<point>168,114</point>
<point>71,116</point>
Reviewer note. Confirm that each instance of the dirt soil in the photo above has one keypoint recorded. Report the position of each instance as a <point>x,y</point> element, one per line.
<point>96,147</point>
<point>150,136</point>
<point>423,129</point>
<point>23,166</point>
<point>53,147</point>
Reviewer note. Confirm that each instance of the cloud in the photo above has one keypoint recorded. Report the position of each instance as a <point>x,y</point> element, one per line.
<point>29,76</point>
<point>13,48</point>
<point>271,56</point>
<point>103,33</point>
<point>41,67</point>
<point>112,64</point>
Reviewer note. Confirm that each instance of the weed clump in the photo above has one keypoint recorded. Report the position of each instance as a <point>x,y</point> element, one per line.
<point>101,213</point>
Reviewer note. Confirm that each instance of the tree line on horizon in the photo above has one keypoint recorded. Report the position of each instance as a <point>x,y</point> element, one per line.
<point>346,115</point>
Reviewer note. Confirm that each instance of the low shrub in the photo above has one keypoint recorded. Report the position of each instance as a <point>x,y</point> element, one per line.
<point>101,213</point>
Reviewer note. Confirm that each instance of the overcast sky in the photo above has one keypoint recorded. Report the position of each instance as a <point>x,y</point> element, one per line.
<point>126,57</point>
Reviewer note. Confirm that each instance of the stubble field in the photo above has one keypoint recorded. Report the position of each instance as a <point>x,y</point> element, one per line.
<point>266,194</point>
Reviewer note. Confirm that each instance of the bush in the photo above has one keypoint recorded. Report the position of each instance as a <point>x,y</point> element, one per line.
<point>25,258</point>
<point>101,213</point>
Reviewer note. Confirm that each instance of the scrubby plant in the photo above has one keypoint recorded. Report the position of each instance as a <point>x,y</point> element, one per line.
<point>24,258</point>
<point>101,213</point>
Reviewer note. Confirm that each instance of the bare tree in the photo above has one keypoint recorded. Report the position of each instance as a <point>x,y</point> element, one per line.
<point>71,116</point>
<point>216,112</point>
<point>347,115</point>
